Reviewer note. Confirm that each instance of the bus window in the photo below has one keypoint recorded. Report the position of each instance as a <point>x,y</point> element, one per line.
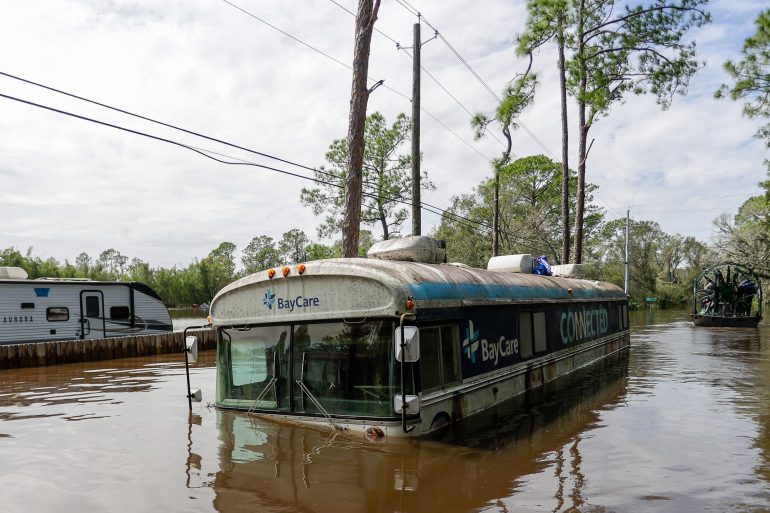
<point>450,355</point>
<point>258,367</point>
<point>345,366</point>
<point>525,334</point>
<point>538,319</point>
<point>430,363</point>
<point>439,357</point>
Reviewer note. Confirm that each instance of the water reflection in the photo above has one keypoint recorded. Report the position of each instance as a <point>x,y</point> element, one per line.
<point>270,466</point>
<point>681,424</point>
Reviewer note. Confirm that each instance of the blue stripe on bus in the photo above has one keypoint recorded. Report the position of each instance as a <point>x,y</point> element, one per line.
<point>470,291</point>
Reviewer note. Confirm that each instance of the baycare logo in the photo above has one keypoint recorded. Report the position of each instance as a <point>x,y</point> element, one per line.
<point>270,300</point>
<point>489,350</point>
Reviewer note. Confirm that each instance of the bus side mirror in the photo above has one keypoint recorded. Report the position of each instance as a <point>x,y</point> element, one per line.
<point>411,344</point>
<point>412,404</point>
<point>191,346</point>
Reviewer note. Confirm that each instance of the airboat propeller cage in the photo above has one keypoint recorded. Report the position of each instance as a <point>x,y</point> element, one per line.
<point>727,294</point>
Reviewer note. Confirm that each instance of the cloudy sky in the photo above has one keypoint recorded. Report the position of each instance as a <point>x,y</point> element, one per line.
<point>68,186</point>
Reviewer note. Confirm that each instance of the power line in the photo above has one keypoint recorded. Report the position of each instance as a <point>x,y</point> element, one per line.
<point>687,200</point>
<point>351,68</point>
<point>184,130</point>
<point>411,9</point>
<point>689,211</point>
<point>234,160</point>
<point>348,66</point>
<point>380,32</point>
<point>438,83</point>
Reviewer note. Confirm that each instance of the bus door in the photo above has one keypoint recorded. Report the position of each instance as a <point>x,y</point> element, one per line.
<point>92,323</point>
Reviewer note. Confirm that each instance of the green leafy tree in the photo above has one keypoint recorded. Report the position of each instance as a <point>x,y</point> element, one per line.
<point>530,213</point>
<point>751,76</point>
<point>11,257</point>
<point>317,251</point>
<point>517,96</point>
<point>140,271</point>
<point>83,263</point>
<point>745,237</point>
<point>215,271</point>
<point>612,49</point>
<point>662,265</point>
<point>386,179</point>
<point>293,246</point>
<point>638,49</point>
<point>110,265</point>
<point>547,21</point>
<point>261,253</point>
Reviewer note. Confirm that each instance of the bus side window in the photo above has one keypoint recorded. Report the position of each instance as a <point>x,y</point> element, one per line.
<point>450,355</point>
<point>440,357</point>
<point>538,319</point>
<point>430,362</point>
<point>525,334</point>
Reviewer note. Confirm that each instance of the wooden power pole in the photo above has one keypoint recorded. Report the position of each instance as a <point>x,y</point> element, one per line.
<point>416,212</point>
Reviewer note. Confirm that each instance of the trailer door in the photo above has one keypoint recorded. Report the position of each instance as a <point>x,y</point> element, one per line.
<point>92,323</point>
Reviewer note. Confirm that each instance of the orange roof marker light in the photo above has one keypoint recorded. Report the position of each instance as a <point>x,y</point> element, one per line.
<point>301,268</point>
<point>285,271</point>
<point>270,273</point>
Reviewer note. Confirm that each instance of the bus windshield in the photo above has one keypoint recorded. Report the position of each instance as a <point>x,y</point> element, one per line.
<point>348,368</point>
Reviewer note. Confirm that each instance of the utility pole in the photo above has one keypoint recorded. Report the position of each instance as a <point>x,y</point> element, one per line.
<point>416,212</point>
<point>627,287</point>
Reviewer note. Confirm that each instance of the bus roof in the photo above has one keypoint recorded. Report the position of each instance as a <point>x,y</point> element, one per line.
<point>358,287</point>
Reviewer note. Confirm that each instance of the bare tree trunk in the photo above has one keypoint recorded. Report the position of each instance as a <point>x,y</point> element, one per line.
<point>496,214</point>
<point>583,134</point>
<point>383,222</point>
<point>565,228</point>
<point>359,96</point>
<point>496,198</point>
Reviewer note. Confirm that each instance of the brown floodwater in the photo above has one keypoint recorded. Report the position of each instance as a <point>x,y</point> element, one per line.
<point>681,424</point>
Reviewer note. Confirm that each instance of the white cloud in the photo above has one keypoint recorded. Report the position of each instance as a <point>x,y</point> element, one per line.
<point>68,186</point>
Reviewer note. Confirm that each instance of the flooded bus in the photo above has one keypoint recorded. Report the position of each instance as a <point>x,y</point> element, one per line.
<point>400,344</point>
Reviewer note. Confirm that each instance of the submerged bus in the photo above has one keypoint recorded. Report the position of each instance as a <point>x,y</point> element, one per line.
<point>397,345</point>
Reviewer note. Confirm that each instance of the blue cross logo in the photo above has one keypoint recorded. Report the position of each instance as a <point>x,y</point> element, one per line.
<point>269,299</point>
<point>471,342</point>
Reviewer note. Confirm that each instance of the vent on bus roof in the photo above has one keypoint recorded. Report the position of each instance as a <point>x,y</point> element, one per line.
<point>416,248</point>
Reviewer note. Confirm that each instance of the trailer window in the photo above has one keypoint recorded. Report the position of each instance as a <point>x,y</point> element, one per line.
<point>92,306</point>
<point>119,313</point>
<point>27,305</point>
<point>57,313</point>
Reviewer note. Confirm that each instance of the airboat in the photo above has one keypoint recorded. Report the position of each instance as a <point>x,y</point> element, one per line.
<point>727,295</point>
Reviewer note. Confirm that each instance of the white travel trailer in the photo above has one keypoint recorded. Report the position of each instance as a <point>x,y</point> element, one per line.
<point>48,309</point>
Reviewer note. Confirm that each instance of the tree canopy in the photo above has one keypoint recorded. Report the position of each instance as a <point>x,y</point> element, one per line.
<point>751,76</point>
<point>386,177</point>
